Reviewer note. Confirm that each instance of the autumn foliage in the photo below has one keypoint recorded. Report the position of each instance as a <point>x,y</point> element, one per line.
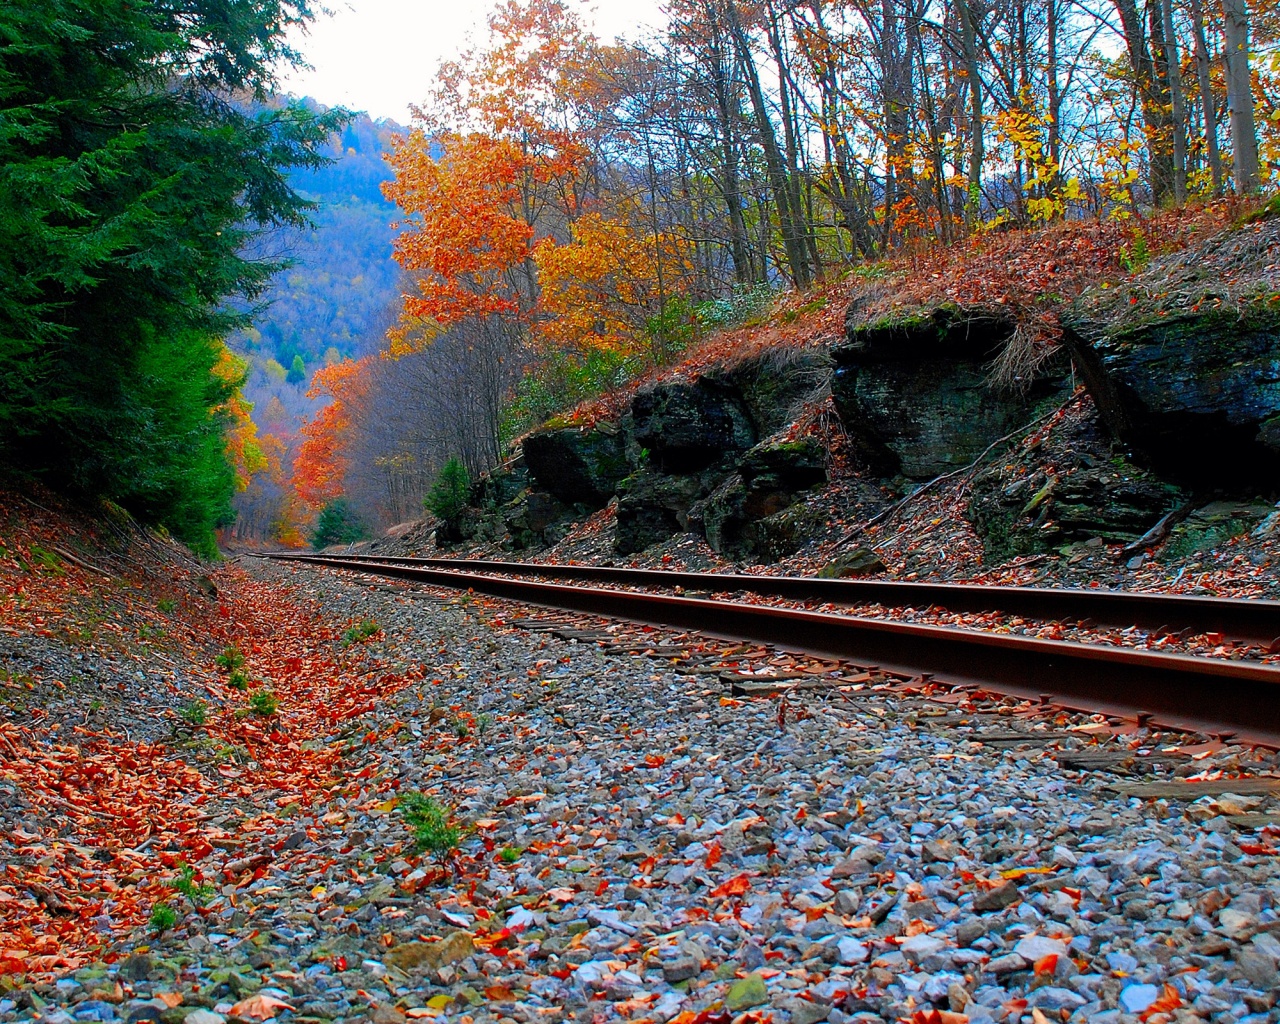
<point>321,461</point>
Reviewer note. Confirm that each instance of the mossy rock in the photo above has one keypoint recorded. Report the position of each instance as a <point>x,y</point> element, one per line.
<point>859,562</point>
<point>578,466</point>
<point>914,393</point>
<point>1184,361</point>
<point>687,427</point>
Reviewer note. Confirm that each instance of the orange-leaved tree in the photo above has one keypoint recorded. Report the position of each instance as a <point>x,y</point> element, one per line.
<point>602,289</point>
<point>493,166</point>
<point>323,458</point>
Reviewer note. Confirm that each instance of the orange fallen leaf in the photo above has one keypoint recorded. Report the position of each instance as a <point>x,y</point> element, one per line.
<point>259,1007</point>
<point>736,886</point>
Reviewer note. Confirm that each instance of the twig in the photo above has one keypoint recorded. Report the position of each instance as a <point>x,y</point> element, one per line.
<point>80,562</point>
<point>894,509</point>
<point>1159,532</point>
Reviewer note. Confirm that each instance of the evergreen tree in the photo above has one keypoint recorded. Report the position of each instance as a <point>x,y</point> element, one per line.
<point>297,371</point>
<point>132,176</point>
<point>338,523</point>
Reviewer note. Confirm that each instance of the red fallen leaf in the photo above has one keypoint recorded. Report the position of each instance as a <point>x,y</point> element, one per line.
<point>1168,1002</point>
<point>499,993</point>
<point>259,1007</point>
<point>1257,850</point>
<point>647,865</point>
<point>714,852</point>
<point>1047,964</point>
<point>602,887</point>
<point>736,886</point>
<point>655,760</point>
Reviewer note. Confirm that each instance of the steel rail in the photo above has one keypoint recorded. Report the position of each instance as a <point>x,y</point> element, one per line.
<point>1248,619</point>
<point>1217,696</point>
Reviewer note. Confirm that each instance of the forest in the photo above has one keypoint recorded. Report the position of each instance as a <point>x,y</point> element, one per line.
<point>579,211</point>
<point>139,162</point>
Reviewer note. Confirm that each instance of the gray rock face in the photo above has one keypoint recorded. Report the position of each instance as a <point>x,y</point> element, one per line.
<point>653,507</point>
<point>914,394</point>
<point>686,427</point>
<point>579,467</point>
<point>1094,491</point>
<point>747,517</point>
<point>1198,396</point>
<point>1184,362</point>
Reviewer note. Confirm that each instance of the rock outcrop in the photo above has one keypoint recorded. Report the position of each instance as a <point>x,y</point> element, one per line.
<point>577,466</point>
<point>744,518</point>
<point>913,390</point>
<point>687,427</point>
<point>1075,486</point>
<point>1184,361</point>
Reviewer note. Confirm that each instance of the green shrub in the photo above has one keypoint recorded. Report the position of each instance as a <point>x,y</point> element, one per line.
<point>510,854</point>
<point>230,659</point>
<point>196,713</point>
<point>362,631</point>
<point>431,824</point>
<point>338,523</point>
<point>448,496</point>
<point>264,703</point>
<point>238,680</point>
<point>186,885</point>
<point>163,917</point>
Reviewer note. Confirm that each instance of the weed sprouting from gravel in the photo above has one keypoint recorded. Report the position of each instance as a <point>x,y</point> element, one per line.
<point>196,713</point>
<point>431,824</point>
<point>264,703</point>
<point>185,884</point>
<point>231,659</point>
<point>360,632</point>
<point>509,854</point>
<point>163,917</point>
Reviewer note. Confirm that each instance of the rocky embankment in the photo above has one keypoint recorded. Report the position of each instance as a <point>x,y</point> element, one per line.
<point>1151,431</point>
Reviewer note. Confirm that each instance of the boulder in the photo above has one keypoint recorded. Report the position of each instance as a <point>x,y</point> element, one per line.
<point>576,465</point>
<point>859,562</point>
<point>687,427</point>
<point>914,394</point>
<point>750,516</point>
<point>502,484</point>
<point>1182,360</point>
<point>1212,525</point>
<point>775,385</point>
<point>655,506</point>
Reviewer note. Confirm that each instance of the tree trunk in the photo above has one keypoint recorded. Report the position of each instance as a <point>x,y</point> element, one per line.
<point>792,239</point>
<point>973,72</point>
<point>743,265</point>
<point>1207,102</point>
<point>1156,108</point>
<point>1178,108</point>
<point>1244,139</point>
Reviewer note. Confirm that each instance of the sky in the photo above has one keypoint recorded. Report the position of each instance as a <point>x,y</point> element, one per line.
<point>379,55</point>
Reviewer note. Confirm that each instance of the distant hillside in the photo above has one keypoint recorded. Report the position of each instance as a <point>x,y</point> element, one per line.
<point>342,292</point>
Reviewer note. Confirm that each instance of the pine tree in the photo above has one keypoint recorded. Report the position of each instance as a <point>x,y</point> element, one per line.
<point>130,183</point>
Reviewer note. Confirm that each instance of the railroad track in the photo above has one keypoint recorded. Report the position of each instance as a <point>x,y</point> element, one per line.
<point>1214,696</point>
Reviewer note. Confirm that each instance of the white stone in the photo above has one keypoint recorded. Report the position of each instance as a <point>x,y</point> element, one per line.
<point>1036,947</point>
<point>851,951</point>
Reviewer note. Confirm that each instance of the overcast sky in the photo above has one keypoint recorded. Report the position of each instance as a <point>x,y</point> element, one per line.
<point>379,55</point>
